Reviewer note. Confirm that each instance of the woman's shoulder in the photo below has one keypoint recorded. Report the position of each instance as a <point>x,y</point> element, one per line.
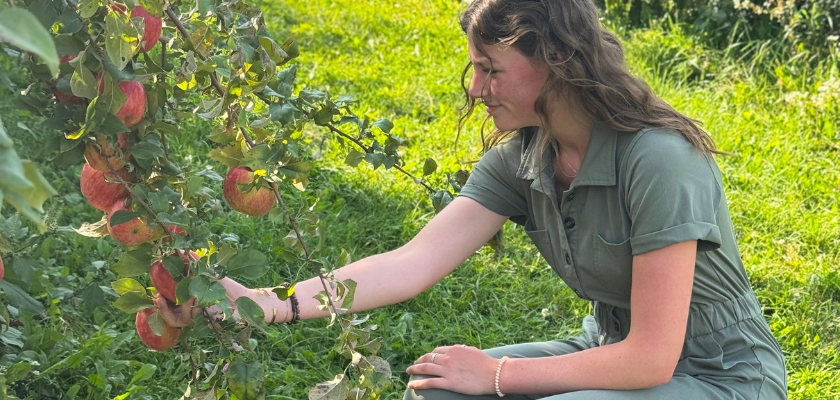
<point>662,145</point>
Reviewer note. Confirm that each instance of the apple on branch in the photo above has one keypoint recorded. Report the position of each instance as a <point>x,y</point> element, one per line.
<point>130,233</point>
<point>154,342</point>
<point>134,107</point>
<point>162,279</point>
<point>100,193</point>
<point>257,202</point>
<point>152,26</point>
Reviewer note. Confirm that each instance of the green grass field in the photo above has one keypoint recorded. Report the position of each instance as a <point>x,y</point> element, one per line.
<point>402,61</point>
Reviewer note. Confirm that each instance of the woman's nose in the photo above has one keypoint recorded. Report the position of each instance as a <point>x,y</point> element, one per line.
<point>478,86</point>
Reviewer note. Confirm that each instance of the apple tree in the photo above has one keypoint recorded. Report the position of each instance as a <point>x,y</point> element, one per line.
<point>117,80</point>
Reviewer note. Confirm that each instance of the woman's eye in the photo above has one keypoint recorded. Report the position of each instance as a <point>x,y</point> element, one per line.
<point>488,71</point>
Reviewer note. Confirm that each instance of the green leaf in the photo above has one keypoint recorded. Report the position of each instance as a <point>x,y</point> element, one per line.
<point>122,216</point>
<point>257,157</point>
<point>132,302</point>
<point>248,264</point>
<point>20,299</point>
<point>229,155</point>
<point>441,199</point>
<point>134,263</point>
<point>283,113</point>
<point>351,293</point>
<point>384,124</point>
<point>147,150</point>
<point>174,264</point>
<point>251,312</point>
<point>284,291</point>
<point>354,158</point>
<point>21,29</point>
<point>158,201</point>
<point>118,49</point>
<point>83,83</point>
<point>156,324</point>
<point>182,291</point>
<point>336,389</point>
<point>125,285</point>
<point>17,371</point>
<point>87,8</point>
<point>246,379</point>
<point>206,292</point>
<point>93,297</point>
<point>145,372</point>
<point>429,167</point>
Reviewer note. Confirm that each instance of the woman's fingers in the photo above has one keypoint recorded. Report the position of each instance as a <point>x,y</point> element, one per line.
<point>177,316</point>
<point>425,369</point>
<point>428,383</point>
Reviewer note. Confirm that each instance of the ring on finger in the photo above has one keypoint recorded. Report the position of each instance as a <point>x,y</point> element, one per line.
<point>433,357</point>
<point>462,345</point>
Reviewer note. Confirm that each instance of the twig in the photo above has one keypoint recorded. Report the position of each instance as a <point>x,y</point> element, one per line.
<point>186,35</point>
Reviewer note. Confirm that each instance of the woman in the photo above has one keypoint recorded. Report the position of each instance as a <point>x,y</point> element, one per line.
<point>621,195</point>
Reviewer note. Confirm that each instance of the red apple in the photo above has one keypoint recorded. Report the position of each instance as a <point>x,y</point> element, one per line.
<point>152,25</point>
<point>100,193</point>
<point>257,202</point>
<point>135,103</point>
<point>154,342</point>
<point>162,279</point>
<point>100,157</point>
<point>131,233</point>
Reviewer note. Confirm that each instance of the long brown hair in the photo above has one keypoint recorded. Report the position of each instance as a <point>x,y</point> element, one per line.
<point>590,68</point>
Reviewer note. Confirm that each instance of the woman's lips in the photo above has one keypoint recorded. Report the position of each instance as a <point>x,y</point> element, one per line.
<point>491,108</point>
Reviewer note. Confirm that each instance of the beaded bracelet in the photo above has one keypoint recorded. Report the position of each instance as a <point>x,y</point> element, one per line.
<point>499,372</point>
<point>295,309</point>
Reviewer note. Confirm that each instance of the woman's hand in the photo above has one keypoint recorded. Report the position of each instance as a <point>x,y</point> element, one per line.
<point>177,316</point>
<point>456,368</point>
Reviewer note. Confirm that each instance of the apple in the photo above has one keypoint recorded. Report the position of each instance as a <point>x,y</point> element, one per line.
<point>131,233</point>
<point>162,279</point>
<point>257,202</point>
<point>99,192</point>
<point>152,26</point>
<point>66,98</point>
<point>152,341</point>
<point>100,157</point>
<point>135,103</point>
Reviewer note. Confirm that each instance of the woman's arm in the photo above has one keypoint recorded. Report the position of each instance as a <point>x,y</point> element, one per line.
<point>388,278</point>
<point>659,303</point>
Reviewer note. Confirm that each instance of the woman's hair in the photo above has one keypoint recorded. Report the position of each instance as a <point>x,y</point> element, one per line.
<point>584,61</point>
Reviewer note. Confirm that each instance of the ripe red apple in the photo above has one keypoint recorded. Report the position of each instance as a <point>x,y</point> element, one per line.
<point>162,279</point>
<point>159,343</point>
<point>135,103</point>
<point>99,158</point>
<point>66,98</point>
<point>257,202</point>
<point>131,233</point>
<point>100,193</point>
<point>152,25</point>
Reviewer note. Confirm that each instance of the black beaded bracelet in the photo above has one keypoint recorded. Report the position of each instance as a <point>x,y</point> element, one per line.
<point>295,309</point>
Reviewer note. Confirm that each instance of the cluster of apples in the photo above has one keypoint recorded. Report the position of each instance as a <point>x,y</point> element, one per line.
<point>106,168</point>
<point>135,104</point>
<point>165,285</point>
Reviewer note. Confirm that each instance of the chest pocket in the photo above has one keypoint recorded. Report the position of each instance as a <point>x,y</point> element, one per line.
<point>542,240</point>
<point>613,264</point>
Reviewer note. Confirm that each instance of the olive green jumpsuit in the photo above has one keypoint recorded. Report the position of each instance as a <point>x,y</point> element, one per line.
<point>635,192</point>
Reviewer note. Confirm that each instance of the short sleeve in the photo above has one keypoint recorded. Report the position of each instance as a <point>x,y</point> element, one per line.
<point>672,193</point>
<point>493,183</point>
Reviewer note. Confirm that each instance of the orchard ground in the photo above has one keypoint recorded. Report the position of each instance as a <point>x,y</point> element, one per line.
<point>403,61</point>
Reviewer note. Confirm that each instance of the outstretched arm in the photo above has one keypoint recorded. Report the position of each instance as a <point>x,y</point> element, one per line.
<point>388,278</point>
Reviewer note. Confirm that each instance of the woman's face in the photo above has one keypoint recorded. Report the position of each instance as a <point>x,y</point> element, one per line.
<point>509,88</point>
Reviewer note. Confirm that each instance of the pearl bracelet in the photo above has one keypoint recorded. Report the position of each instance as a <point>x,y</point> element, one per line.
<point>498,372</point>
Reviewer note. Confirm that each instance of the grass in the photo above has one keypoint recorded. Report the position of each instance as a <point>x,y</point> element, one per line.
<point>403,61</point>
